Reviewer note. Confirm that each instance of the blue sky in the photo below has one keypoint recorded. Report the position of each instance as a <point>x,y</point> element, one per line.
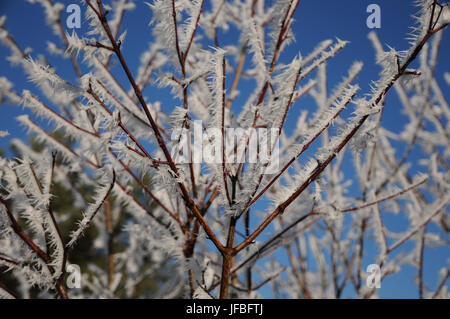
<point>314,21</point>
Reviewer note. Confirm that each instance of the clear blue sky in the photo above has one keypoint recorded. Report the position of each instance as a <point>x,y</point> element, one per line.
<point>314,21</point>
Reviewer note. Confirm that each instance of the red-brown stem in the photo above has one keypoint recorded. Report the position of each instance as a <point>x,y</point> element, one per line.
<point>60,285</point>
<point>360,253</point>
<point>116,34</point>
<point>273,63</point>
<point>62,145</point>
<point>112,96</point>
<point>35,248</point>
<point>253,199</point>
<point>9,261</point>
<point>227,260</point>
<point>420,272</point>
<point>110,243</point>
<point>352,209</point>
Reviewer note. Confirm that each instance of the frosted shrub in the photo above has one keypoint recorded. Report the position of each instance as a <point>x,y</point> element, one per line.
<point>215,225</point>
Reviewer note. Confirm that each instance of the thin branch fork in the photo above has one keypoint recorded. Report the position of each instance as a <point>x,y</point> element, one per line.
<point>224,171</point>
<point>293,159</point>
<point>281,208</point>
<point>352,209</point>
<point>101,46</point>
<point>265,246</point>
<point>149,192</point>
<point>199,212</point>
<point>253,199</point>
<point>177,44</point>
